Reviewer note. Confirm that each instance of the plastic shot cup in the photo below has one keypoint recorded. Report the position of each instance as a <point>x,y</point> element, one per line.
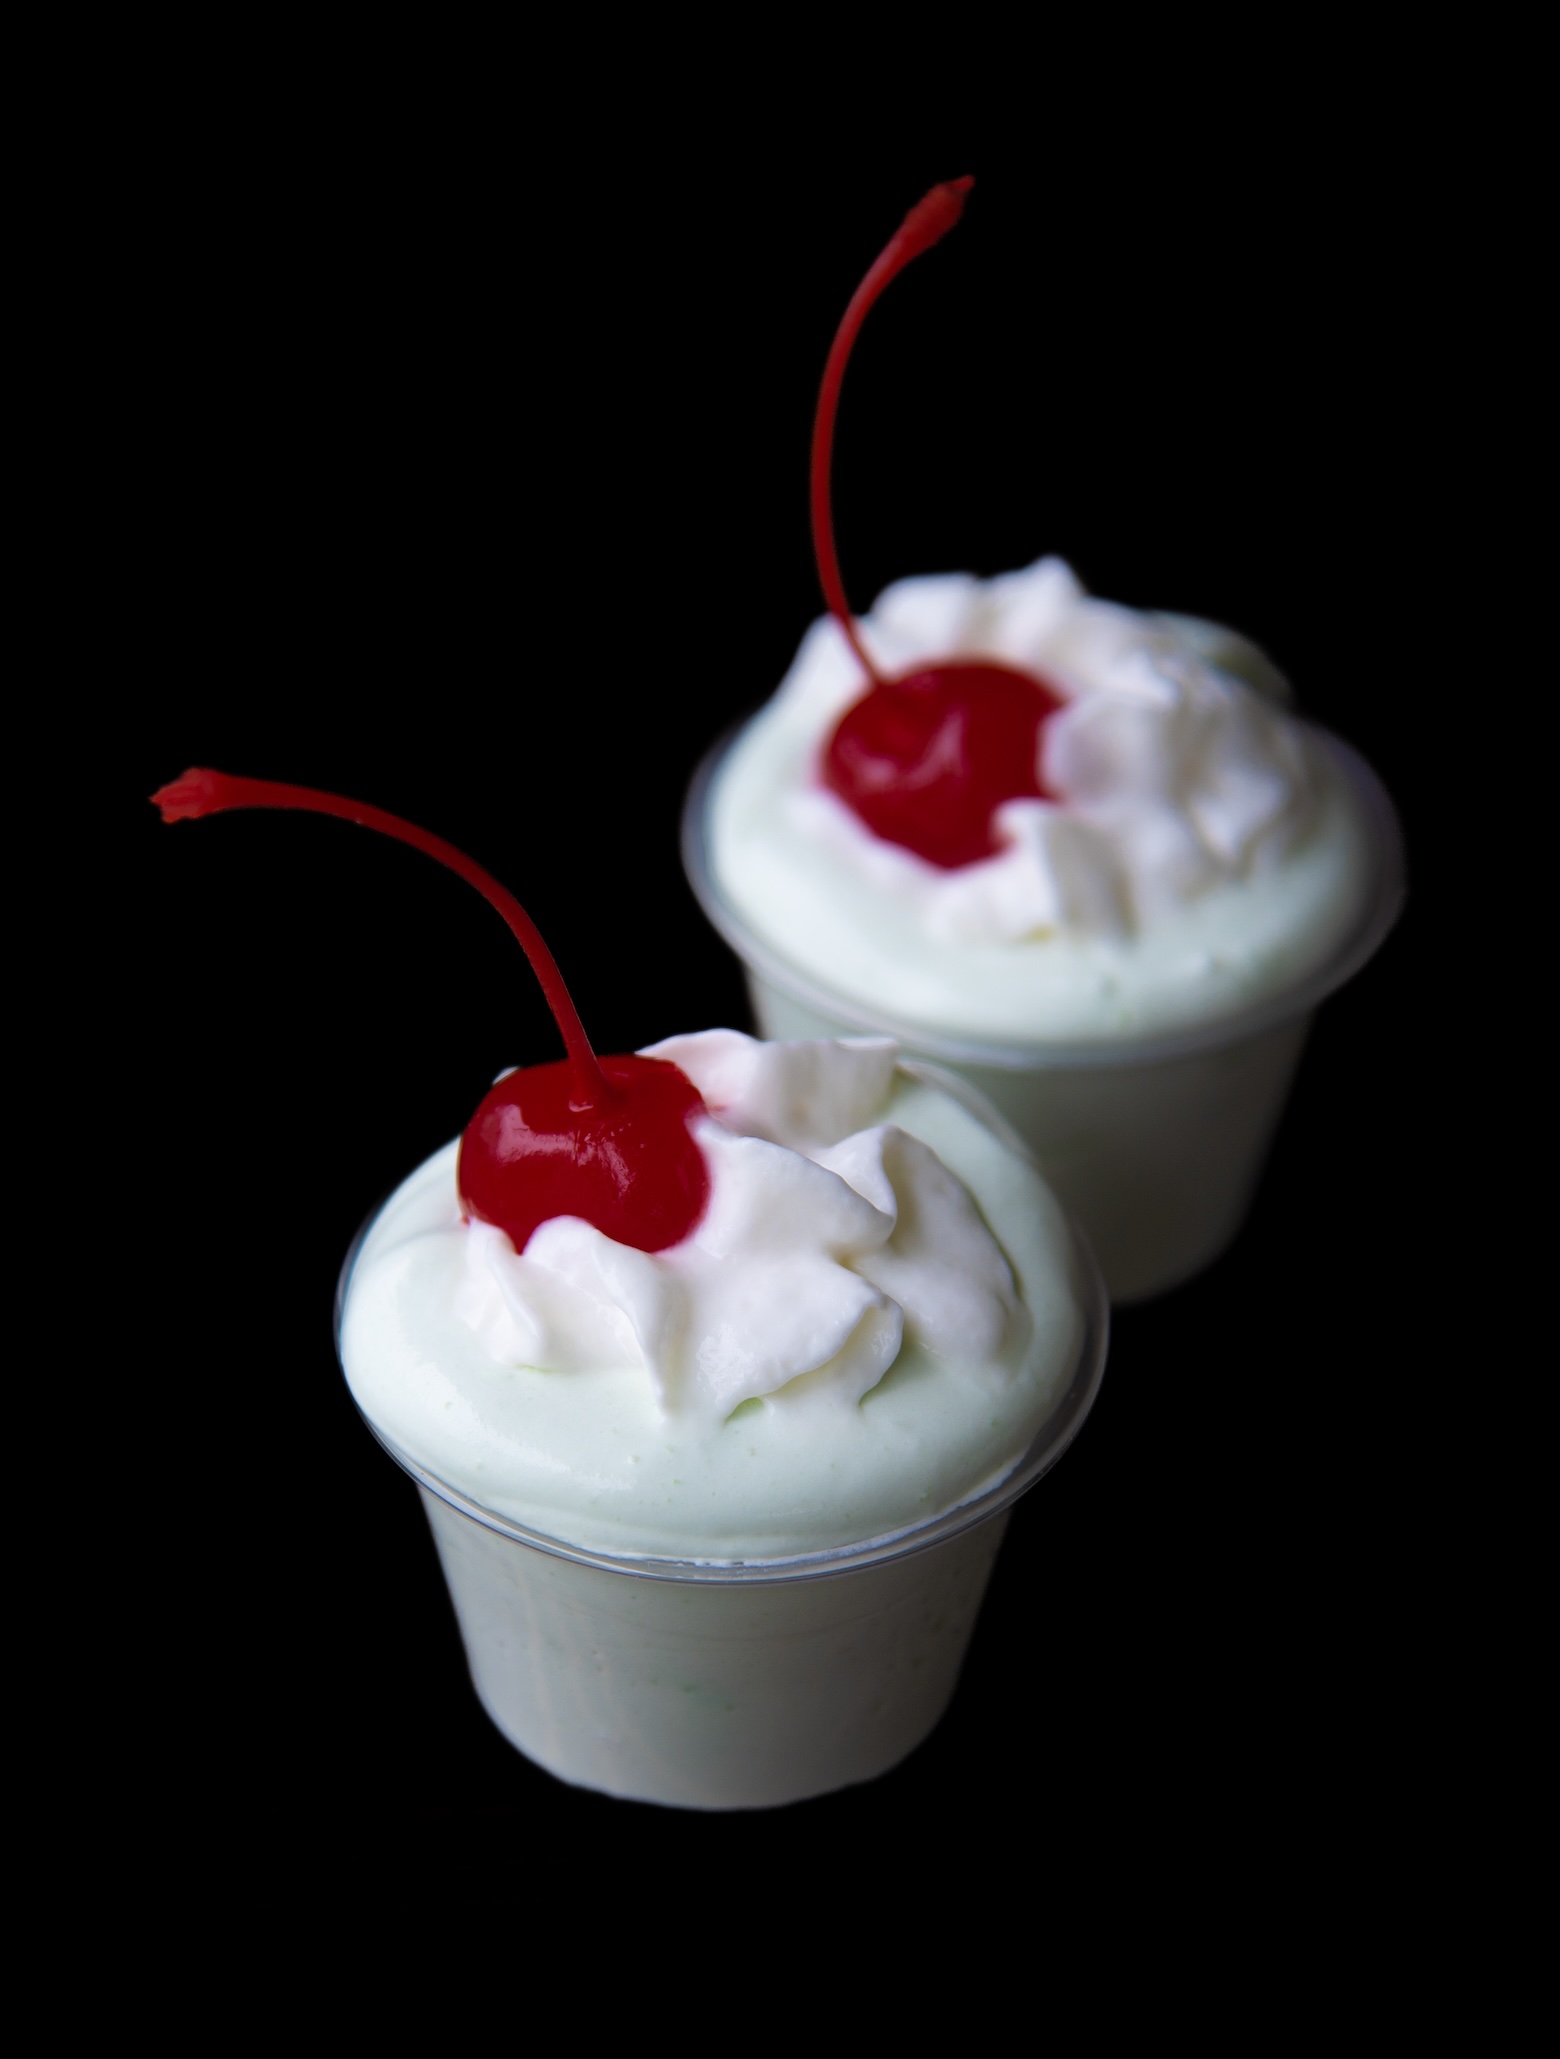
<point>1154,1144</point>
<point>731,1684</point>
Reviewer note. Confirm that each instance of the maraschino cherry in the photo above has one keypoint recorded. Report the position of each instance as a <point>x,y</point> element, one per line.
<point>605,1139</point>
<point>927,758</point>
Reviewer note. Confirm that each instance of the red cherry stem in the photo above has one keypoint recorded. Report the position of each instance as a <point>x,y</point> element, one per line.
<point>201,792</point>
<point>927,223</point>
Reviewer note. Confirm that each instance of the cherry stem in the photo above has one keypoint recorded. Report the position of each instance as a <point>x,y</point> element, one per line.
<point>927,223</point>
<point>201,792</point>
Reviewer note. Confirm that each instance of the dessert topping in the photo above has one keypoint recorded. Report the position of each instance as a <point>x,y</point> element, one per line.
<point>832,1237</point>
<point>605,1140</point>
<point>924,760</point>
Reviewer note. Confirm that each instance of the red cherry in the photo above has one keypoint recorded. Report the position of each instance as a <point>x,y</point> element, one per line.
<point>925,760</point>
<point>629,1166</point>
<point>607,1140</point>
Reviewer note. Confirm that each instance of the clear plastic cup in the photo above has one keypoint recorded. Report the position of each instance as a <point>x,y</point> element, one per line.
<point>731,1684</point>
<point>1154,1143</point>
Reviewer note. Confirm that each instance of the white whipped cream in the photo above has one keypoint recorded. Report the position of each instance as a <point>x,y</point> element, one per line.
<point>840,1348</point>
<point>1200,849</point>
<point>823,1241</point>
<point>1172,776</point>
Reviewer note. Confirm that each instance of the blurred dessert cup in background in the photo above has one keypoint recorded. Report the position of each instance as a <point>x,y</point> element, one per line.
<point>1130,973</point>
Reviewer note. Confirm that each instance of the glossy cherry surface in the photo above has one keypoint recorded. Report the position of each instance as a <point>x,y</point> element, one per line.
<point>629,1166</point>
<point>603,1139</point>
<point>925,759</point>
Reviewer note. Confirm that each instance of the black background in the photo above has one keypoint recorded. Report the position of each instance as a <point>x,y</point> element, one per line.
<point>471,481</point>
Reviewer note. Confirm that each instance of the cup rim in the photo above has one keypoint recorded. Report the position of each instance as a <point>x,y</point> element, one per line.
<point>1051,1439</point>
<point>1379,913</point>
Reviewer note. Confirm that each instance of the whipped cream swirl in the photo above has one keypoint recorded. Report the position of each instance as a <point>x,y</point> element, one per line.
<point>828,1242</point>
<point>1176,770</point>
